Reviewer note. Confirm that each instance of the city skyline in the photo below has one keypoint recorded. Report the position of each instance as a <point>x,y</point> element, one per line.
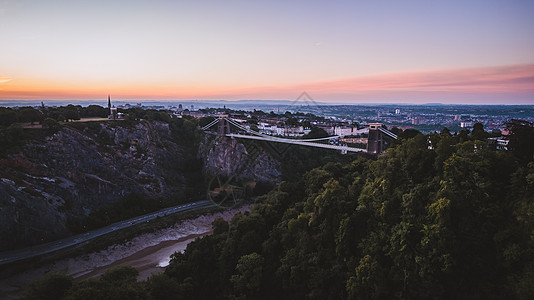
<point>468,52</point>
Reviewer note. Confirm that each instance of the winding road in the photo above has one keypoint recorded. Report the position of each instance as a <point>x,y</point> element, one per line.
<point>25,253</point>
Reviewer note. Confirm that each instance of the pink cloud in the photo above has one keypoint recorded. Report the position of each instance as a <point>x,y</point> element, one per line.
<point>513,83</point>
<point>501,78</point>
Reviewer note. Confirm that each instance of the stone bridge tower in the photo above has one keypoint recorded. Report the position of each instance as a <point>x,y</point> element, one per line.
<point>375,141</point>
<point>224,126</point>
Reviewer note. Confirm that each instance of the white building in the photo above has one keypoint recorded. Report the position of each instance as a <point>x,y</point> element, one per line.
<point>342,131</point>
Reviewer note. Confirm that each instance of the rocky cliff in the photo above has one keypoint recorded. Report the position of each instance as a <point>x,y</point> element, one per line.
<point>229,157</point>
<point>79,170</point>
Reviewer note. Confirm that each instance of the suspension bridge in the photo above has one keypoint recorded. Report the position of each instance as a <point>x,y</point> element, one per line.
<point>375,141</point>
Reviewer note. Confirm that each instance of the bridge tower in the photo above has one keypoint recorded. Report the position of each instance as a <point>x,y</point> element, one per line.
<point>224,125</point>
<point>375,141</point>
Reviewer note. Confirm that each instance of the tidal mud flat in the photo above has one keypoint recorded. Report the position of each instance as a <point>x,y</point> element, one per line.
<point>149,253</point>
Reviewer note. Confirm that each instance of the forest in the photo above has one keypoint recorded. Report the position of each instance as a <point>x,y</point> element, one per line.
<point>439,216</point>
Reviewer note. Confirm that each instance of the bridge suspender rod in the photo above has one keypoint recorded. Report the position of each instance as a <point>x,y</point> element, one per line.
<point>247,130</point>
<point>268,136</point>
<point>210,124</point>
<point>391,134</point>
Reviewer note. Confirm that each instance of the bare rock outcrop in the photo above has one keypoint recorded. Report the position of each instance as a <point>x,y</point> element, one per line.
<point>79,170</point>
<point>229,157</point>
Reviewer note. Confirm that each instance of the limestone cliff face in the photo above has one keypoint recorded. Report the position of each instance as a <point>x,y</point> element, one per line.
<point>229,157</point>
<point>77,171</point>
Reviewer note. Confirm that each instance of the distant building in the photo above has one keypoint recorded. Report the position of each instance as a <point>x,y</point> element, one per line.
<point>397,111</point>
<point>457,118</point>
<point>417,121</point>
<point>498,143</point>
<point>329,129</point>
<point>180,108</point>
<point>343,131</point>
<point>113,112</point>
<point>466,124</point>
<point>196,115</point>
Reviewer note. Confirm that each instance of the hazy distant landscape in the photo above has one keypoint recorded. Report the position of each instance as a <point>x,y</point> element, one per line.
<point>424,117</point>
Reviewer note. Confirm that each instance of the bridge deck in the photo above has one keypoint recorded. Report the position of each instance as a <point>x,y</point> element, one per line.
<point>296,142</point>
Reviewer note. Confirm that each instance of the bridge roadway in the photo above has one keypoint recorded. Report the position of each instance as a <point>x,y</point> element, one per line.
<point>16,255</point>
<point>296,142</point>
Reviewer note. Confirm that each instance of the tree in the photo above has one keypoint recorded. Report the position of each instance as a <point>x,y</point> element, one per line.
<point>61,118</point>
<point>521,138</point>
<point>94,111</point>
<point>410,133</point>
<point>478,132</point>
<point>316,132</point>
<point>248,279</point>
<point>51,124</point>
<point>71,114</point>
<point>368,281</point>
<point>53,285</point>
<point>292,122</point>
<point>7,116</point>
<point>30,115</point>
<point>205,121</point>
<point>219,226</point>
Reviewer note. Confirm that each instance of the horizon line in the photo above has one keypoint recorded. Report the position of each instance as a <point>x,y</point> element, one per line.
<point>259,100</point>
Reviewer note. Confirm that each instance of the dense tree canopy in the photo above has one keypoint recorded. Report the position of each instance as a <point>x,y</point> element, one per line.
<point>451,221</point>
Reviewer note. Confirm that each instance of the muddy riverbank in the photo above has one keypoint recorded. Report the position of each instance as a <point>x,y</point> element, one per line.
<point>148,252</point>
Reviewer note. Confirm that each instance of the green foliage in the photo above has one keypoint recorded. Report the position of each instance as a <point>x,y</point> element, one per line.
<point>52,286</point>
<point>478,132</point>
<point>51,124</point>
<point>30,114</point>
<point>292,122</point>
<point>315,133</point>
<point>248,279</point>
<point>451,221</point>
<point>118,283</point>
<point>419,222</point>
<point>220,226</point>
<point>205,121</point>
<point>8,116</point>
<point>10,137</point>
<point>71,113</point>
<point>522,138</point>
<point>93,111</point>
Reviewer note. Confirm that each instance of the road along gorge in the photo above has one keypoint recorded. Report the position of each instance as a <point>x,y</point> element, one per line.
<point>148,252</point>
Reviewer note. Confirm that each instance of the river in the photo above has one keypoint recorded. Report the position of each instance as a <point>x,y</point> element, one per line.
<point>149,253</point>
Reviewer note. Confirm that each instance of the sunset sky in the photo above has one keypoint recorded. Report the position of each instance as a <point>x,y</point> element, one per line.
<point>468,52</point>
